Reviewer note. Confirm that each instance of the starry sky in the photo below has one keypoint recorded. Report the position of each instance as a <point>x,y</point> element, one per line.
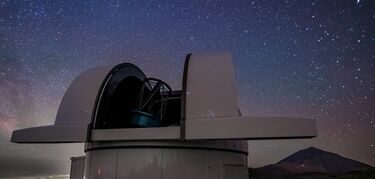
<point>301,58</point>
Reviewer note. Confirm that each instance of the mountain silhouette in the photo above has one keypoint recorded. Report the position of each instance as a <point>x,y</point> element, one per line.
<point>311,160</point>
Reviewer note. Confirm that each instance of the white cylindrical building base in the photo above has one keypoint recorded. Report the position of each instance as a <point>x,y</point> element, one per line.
<point>164,160</point>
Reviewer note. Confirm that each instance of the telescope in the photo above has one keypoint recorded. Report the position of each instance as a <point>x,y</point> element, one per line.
<point>137,127</point>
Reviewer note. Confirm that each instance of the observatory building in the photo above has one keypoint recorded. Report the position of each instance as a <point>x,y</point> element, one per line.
<point>135,127</point>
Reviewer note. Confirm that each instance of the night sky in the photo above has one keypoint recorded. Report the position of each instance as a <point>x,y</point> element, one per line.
<point>303,58</point>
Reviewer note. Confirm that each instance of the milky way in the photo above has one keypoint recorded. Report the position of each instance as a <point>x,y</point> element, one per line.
<point>292,58</point>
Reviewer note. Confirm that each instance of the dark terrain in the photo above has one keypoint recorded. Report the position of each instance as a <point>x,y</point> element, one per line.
<point>314,163</point>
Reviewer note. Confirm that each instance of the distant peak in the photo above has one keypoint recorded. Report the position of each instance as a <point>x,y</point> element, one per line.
<point>313,159</point>
<point>312,148</point>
